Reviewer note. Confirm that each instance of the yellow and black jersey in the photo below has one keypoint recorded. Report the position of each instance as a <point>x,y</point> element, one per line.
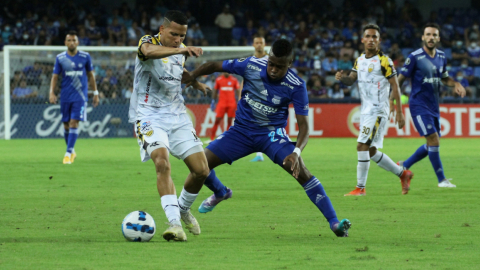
<point>146,39</point>
<point>372,77</point>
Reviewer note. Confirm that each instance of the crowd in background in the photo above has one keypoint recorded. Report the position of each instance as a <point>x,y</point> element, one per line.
<point>326,38</point>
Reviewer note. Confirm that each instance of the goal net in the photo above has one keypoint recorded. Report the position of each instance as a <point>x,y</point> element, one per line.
<point>27,72</point>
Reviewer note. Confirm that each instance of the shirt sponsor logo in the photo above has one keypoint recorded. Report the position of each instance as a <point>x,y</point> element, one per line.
<point>432,80</point>
<point>287,85</point>
<point>253,67</point>
<point>74,73</point>
<point>169,78</point>
<point>259,107</point>
<point>362,81</point>
<point>420,57</point>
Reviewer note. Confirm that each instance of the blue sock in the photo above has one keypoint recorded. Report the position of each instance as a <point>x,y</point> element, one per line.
<point>434,155</point>
<point>214,184</point>
<point>65,135</point>
<point>72,138</point>
<point>420,154</point>
<point>317,195</point>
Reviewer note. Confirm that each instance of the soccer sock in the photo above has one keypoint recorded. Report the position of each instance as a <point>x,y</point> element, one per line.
<point>72,138</point>
<point>65,135</point>
<point>420,154</point>
<point>170,206</point>
<point>186,200</point>
<point>318,196</point>
<point>259,154</point>
<point>362,168</point>
<point>214,131</point>
<point>214,184</point>
<point>387,163</point>
<point>434,156</point>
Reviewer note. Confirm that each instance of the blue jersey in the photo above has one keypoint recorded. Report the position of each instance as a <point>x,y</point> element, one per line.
<point>264,103</point>
<point>426,73</point>
<point>74,75</point>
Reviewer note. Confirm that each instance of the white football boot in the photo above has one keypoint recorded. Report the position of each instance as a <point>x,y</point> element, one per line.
<point>446,183</point>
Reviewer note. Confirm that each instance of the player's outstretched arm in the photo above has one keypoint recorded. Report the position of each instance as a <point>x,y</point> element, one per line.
<point>152,51</point>
<point>205,69</point>
<point>459,89</point>
<point>347,80</point>
<point>302,139</point>
<point>93,85</point>
<point>53,85</point>
<point>399,118</point>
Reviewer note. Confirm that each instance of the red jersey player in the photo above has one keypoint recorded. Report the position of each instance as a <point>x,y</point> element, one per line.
<point>228,91</point>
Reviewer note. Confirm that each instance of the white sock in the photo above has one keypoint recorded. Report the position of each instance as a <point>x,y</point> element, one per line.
<point>387,163</point>
<point>362,168</point>
<point>259,154</point>
<point>73,151</point>
<point>186,200</point>
<point>67,154</point>
<point>170,206</point>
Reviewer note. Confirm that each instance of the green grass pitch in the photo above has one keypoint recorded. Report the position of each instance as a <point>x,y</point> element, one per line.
<point>55,216</point>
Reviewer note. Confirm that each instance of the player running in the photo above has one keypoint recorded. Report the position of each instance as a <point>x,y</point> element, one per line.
<point>375,74</point>
<point>427,69</point>
<point>259,45</point>
<point>270,86</point>
<point>157,107</point>
<point>76,69</point>
<point>229,90</point>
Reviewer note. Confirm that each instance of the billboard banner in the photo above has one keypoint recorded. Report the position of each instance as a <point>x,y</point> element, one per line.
<point>325,120</point>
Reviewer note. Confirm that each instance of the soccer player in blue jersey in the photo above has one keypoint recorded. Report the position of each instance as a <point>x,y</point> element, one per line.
<point>262,112</point>
<point>427,68</point>
<point>76,69</point>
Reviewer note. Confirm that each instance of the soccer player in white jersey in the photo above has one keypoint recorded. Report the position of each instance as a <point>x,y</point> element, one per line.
<point>375,74</point>
<point>427,67</point>
<point>76,70</point>
<point>163,126</point>
<point>259,45</point>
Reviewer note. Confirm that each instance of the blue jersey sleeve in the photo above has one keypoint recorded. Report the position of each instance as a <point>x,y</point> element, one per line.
<point>300,100</point>
<point>57,69</point>
<point>236,66</point>
<point>409,66</point>
<point>88,64</point>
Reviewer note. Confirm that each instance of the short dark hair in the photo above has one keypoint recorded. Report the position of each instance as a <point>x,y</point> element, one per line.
<point>430,24</point>
<point>175,16</point>
<point>371,26</point>
<point>282,47</point>
<point>72,33</point>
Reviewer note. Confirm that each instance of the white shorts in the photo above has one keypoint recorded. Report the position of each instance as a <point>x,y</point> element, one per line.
<point>174,132</point>
<point>372,130</point>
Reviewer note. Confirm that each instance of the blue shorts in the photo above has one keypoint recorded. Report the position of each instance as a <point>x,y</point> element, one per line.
<point>236,143</point>
<point>76,110</point>
<point>426,124</point>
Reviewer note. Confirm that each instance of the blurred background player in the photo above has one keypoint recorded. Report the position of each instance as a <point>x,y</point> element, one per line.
<point>163,126</point>
<point>376,74</point>
<point>77,70</point>
<point>228,90</point>
<point>259,45</point>
<point>427,67</point>
<point>270,86</point>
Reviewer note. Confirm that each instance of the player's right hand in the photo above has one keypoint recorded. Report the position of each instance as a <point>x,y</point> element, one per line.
<point>338,75</point>
<point>400,120</point>
<point>193,51</point>
<point>392,110</point>
<point>53,98</point>
<point>213,105</point>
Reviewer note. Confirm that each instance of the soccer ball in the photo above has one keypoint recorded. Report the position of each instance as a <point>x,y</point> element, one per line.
<point>138,226</point>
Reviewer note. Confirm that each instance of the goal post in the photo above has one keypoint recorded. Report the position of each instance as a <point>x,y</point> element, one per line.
<point>33,116</point>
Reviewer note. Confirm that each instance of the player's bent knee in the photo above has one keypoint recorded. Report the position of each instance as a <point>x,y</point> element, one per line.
<point>161,165</point>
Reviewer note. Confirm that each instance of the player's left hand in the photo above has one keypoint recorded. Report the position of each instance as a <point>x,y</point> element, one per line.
<point>460,90</point>
<point>400,120</point>
<point>293,159</point>
<point>200,86</point>
<point>95,100</point>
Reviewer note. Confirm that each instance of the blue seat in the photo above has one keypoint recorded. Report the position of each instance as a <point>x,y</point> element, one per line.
<point>448,52</point>
<point>407,51</point>
<point>476,72</point>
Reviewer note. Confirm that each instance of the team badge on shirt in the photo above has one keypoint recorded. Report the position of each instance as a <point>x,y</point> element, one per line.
<point>370,68</point>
